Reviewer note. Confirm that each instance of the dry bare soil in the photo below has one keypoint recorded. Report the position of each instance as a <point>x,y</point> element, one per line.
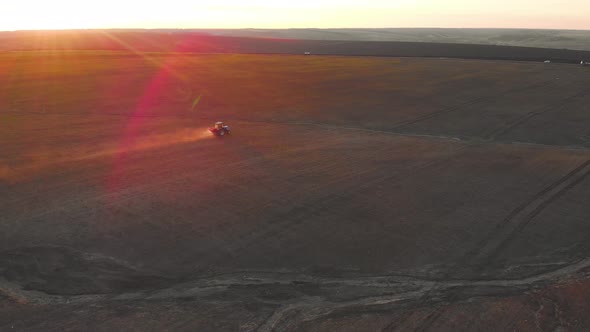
<point>354,193</point>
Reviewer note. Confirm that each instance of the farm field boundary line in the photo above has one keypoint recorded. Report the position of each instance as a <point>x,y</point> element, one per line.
<point>464,139</point>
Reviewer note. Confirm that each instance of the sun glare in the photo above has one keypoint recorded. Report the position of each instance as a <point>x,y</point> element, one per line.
<point>68,14</point>
<point>37,15</point>
<point>84,14</point>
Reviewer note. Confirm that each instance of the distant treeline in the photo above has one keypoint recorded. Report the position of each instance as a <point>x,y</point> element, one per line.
<point>203,42</point>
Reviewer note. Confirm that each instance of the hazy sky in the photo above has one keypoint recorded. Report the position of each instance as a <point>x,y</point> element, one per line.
<point>59,14</point>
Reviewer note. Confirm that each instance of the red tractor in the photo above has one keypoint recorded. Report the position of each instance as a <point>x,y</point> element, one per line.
<point>220,129</point>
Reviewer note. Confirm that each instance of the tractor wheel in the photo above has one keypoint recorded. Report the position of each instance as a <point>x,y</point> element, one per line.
<point>221,132</point>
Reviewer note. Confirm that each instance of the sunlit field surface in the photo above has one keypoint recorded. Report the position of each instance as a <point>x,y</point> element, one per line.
<point>354,192</point>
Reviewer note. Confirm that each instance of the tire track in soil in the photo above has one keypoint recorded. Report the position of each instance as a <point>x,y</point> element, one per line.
<point>524,214</point>
<point>524,118</point>
<point>507,230</point>
<point>451,109</point>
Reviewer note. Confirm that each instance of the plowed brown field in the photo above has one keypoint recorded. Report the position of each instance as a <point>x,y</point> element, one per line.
<point>359,193</point>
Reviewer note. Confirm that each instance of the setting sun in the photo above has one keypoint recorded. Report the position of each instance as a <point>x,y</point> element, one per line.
<point>68,14</point>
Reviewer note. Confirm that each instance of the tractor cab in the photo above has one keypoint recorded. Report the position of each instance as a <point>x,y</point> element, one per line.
<point>219,129</point>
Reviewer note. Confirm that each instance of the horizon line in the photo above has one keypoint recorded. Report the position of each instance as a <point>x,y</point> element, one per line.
<point>308,28</point>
